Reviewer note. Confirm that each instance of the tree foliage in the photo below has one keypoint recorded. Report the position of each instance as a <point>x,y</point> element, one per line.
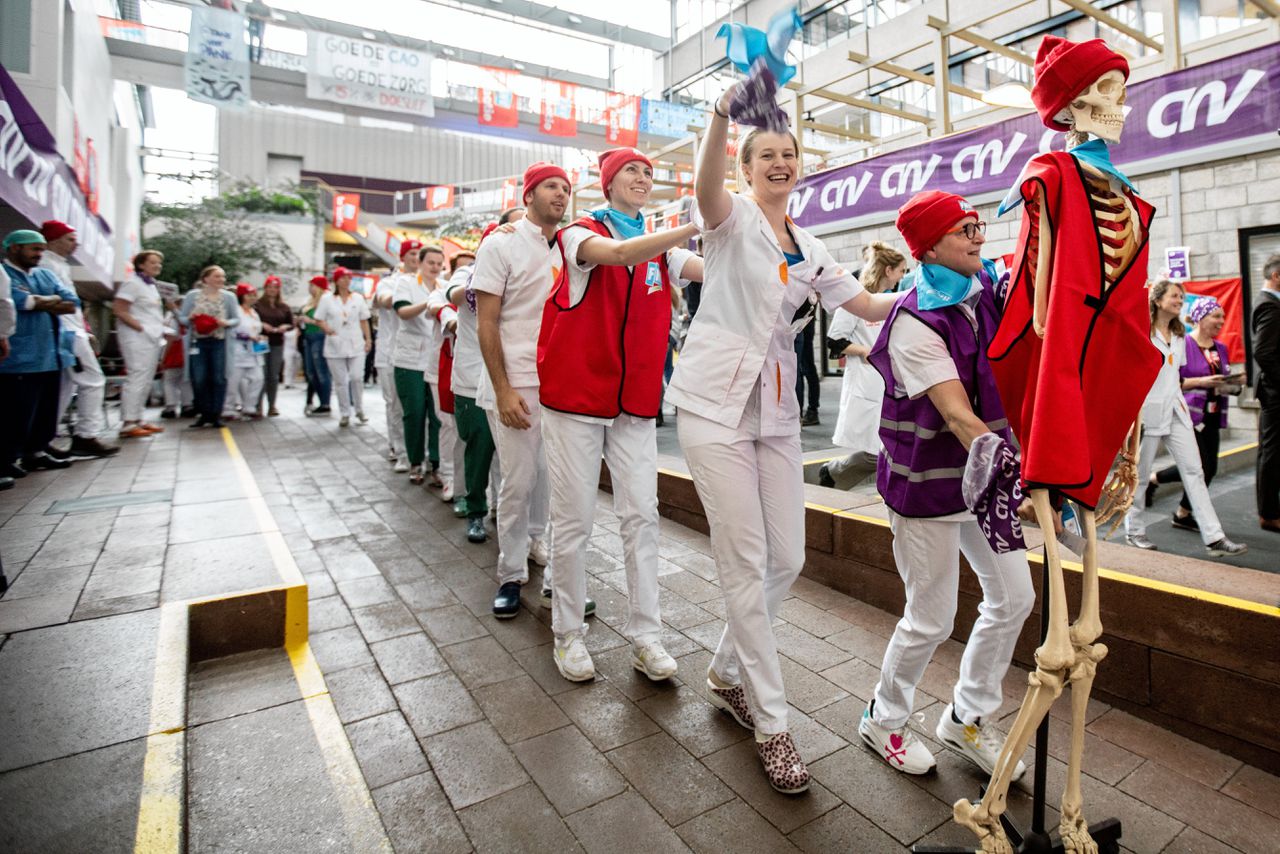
<point>216,231</point>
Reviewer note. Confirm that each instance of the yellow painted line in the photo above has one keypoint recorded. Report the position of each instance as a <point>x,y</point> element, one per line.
<point>364,828</point>
<point>160,807</point>
<point>1248,447</point>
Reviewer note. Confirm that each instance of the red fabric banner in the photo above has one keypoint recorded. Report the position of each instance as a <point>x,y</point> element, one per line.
<point>497,106</point>
<point>510,198</point>
<point>346,211</point>
<point>1230,295</point>
<point>439,197</point>
<point>559,117</point>
<point>622,120</point>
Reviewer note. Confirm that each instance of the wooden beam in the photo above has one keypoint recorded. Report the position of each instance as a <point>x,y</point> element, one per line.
<point>890,67</point>
<point>942,81</point>
<point>981,41</point>
<point>835,130</point>
<point>863,103</point>
<point>1086,8</point>
<point>1268,7</point>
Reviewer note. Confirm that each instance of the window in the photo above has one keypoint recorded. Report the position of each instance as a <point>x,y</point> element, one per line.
<point>15,35</point>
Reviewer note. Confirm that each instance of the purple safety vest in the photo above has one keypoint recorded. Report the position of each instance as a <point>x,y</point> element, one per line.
<point>922,463</point>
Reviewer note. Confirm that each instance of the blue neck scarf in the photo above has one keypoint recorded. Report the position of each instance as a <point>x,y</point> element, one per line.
<point>1095,152</point>
<point>938,287</point>
<point>626,227</point>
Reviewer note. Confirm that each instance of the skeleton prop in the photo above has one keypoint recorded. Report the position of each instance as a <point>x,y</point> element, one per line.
<point>1073,361</point>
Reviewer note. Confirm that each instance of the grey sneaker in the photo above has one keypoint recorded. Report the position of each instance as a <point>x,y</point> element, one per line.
<point>1226,548</point>
<point>1138,541</point>
<point>978,742</point>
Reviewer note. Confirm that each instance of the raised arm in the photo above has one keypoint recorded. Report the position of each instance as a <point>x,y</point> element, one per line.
<point>871,307</point>
<point>714,202</point>
<point>627,253</point>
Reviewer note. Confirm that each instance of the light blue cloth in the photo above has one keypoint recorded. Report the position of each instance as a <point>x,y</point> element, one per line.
<point>744,45</point>
<point>624,226</point>
<point>1095,152</point>
<point>938,287</point>
<point>39,342</point>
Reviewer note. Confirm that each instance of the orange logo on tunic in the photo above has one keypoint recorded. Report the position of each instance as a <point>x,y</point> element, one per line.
<point>782,272</point>
<point>555,275</point>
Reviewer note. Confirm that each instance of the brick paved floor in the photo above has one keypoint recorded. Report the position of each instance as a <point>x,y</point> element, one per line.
<point>467,736</point>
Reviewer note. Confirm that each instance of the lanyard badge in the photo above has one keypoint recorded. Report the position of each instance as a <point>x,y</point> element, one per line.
<point>653,278</point>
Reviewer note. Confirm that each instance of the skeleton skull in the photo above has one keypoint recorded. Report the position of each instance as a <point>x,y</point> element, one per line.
<point>1099,110</point>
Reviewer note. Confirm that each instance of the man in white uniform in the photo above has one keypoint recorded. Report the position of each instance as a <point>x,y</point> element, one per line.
<point>86,380</point>
<point>514,273</point>
<point>388,325</point>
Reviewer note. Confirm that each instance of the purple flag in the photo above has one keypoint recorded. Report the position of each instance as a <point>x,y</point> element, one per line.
<point>992,489</point>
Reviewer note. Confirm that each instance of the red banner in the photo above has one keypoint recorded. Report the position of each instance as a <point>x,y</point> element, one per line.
<point>559,117</point>
<point>497,106</point>
<point>622,119</point>
<point>439,198</point>
<point>346,211</point>
<point>509,195</point>
<point>1230,295</point>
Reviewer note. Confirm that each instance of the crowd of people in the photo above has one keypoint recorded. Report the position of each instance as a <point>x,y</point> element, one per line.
<point>509,374</point>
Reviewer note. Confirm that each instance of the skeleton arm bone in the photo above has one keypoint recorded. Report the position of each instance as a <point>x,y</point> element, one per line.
<point>1044,251</point>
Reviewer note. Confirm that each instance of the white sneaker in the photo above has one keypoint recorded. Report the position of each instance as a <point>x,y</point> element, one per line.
<point>978,742</point>
<point>538,551</point>
<point>898,747</point>
<point>653,661</point>
<point>362,418</point>
<point>401,466</point>
<point>572,659</point>
<point>446,492</point>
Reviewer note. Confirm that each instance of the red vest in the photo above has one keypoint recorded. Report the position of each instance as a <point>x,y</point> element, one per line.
<point>604,356</point>
<point>1072,396</point>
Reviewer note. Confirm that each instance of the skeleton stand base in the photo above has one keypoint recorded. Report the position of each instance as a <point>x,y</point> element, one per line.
<point>1037,840</point>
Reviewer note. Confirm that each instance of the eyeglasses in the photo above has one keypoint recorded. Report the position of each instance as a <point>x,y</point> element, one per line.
<point>971,229</point>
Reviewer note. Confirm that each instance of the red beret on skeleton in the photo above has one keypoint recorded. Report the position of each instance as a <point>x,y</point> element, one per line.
<point>1064,69</point>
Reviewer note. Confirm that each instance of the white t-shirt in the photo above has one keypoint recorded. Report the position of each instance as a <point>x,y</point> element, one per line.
<point>344,319</point>
<point>441,312</point>
<point>146,307</point>
<point>414,334</point>
<point>388,324</point>
<point>243,336</point>
<point>1164,401</point>
<point>56,264</point>
<point>520,267</point>
<point>8,314</point>
<point>468,364</point>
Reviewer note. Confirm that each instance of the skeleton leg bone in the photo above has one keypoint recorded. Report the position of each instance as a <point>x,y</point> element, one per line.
<point>983,818</point>
<point>1056,652</point>
<point>1088,625</point>
<point>1073,828</point>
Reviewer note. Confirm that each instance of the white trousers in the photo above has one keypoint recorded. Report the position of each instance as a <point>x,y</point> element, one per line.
<point>395,412</point>
<point>243,387</point>
<point>574,449</point>
<point>292,357</point>
<point>88,385</point>
<point>448,438</point>
<point>523,492</point>
<point>177,388</point>
<point>753,492</point>
<point>1181,443</point>
<point>141,355</point>
<point>348,382</point>
<point>927,552</point>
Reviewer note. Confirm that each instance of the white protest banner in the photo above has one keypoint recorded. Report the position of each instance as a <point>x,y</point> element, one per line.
<point>368,74</point>
<point>217,65</point>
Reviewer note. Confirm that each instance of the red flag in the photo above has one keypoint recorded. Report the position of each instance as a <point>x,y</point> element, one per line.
<point>439,198</point>
<point>622,119</point>
<point>509,197</point>
<point>498,105</point>
<point>346,211</point>
<point>1230,295</point>
<point>558,109</point>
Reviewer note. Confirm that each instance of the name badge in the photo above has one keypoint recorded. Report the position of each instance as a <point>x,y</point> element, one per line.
<point>653,278</point>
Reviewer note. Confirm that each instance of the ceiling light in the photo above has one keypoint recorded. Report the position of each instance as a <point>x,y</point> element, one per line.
<point>518,66</point>
<point>1009,95</point>
<point>448,51</point>
<point>574,19</point>
<point>368,35</point>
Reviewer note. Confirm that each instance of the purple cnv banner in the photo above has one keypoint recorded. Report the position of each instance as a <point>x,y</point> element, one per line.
<point>38,183</point>
<point>1231,99</point>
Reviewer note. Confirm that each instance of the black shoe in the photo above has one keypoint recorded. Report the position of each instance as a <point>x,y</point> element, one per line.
<point>168,414</point>
<point>1150,495</point>
<point>1186,523</point>
<point>825,478</point>
<point>41,460</point>
<point>588,611</point>
<point>57,453</point>
<point>476,531</point>
<point>217,424</point>
<point>661,421</point>
<point>197,424</point>
<point>507,603</point>
<point>321,410</point>
<point>188,412</point>
<point>810,418</point>
<point>6,482</point>
<point>13,470</point>
<point>82,447</point>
